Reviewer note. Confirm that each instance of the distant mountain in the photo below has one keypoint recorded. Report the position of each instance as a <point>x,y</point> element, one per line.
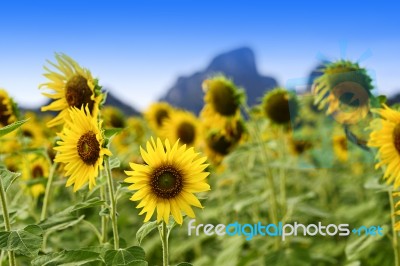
<point>110,101</point>
<point>394,99</point>
<point>239,65</point>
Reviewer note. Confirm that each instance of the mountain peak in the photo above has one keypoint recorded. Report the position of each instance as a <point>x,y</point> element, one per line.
<point>238,65</point>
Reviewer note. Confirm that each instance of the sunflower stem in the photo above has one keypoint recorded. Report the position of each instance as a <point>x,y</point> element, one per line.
<point>395,240</point>
<point>114,220</point>
<point>103,217</point>
<point>47,192</point>
<point>6,217</point>
<point>164,243</point>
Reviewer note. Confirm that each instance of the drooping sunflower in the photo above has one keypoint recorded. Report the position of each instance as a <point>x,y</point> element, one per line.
<point>81,148</point>
<point>280,106</point>
<point>385,136</point>
<point>344,90</point>
<point>168,180</point>
<point>156,114</point>
<point>72,86</point>
<point>183,126</point>
<point>7,109</point>
<point>340,147</point>
<point>222,101</point>
<point>35,168</point>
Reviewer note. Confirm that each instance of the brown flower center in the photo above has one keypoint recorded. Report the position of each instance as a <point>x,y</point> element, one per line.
<point>167,182</point>
<point>186,132</point>
<point>89,148</point>
<point>161,114</point>
<point>37,171</point>
<point>277,108</point>
<point>4,115</point>
<point>223,99</point>
<point>396,137</point>
<point>220,144</point>
<point>78,93</point>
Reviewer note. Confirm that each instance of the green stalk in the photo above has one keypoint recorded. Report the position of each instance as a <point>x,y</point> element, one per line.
<point>164,242</point>
<point>395,240</point>
<point>103,218</point>
<point>113,201</point>
<point>47,192</point>
<point>6,218</point>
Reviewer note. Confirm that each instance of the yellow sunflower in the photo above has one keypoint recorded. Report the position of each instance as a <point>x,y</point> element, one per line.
<point>397,210</point>
<point>280,106</point>
<point>345,89</point>
<point>35,168</point>
<point>168,180</point>
<point>222,101</point>
<point>184,126</point>
<point>156,114</point>
<point>7,109</point>
<point>72,86</point>
<point>33,133</point>
<point>340,147</point>
<point>81,148</point>
<point>385,135</point>
<point>113,117</point>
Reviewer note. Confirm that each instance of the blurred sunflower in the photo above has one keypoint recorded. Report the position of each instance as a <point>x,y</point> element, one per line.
<point>81,148</point>
<point>222,101</point>
<point>73,86</point>
<point>345,89</point>
<point>183,126</point>
<point>34,169</point>
<point>7,109</point>
<point>396,212</point>
<point>113,117</point>
<point>385,135</point>
<point>298,147</point>
<point>136,127</point>
<point>168,180</point>
<point>280,106</point>
<point>33,133</point>
<point>340,147</point>
<point>156,114</point>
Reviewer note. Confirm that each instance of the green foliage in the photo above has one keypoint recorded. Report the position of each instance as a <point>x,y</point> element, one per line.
<point>12,127</point>
<point>27,241</point>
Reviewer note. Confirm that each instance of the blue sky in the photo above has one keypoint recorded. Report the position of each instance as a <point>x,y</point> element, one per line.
<point>138,48</point>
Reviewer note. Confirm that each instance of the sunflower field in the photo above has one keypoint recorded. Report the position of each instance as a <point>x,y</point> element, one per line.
<point>82,184</point>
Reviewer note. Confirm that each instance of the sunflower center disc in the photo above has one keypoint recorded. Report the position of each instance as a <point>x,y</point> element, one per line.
<point>186,132</point>
<point>78,93</point>
<point>223,100</point>
<point>89,148</point>
<point>166,182</point>
<point>37,172</point>
<point>160,116</point>
<point>219,144</point>
<point>117,121</point>
<point>277,109</point>
<point>396,137</point>
<point>3,112</point>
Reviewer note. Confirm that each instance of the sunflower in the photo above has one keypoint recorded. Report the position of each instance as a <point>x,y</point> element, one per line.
<point>113,117</point>
<point>183,126</point>
<point>156,114</point>
<point>344,89</point>
<point>340,147</point>
<point>168,180</point>
<point>73,86</point>
<point>280,106</point>
<point>7,109</point>
<point>33,133</point>
<point>397,211</point>
<point>81,148</point>
<point>222,101</point>
<point>385,135</point>
<point>298,147</point>
<point>34,169</point>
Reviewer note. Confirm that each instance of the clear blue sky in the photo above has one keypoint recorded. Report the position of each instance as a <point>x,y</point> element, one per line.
<point>138,48</point>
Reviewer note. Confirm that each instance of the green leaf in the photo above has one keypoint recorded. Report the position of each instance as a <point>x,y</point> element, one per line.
<point>7,178</point>
<point>115,163</point>
<point>27,241</point>
<point>60,222</point>
<point>144,230</point>
<point>111,132</point>
<point>93,202</point>
<point>184,264</point>
<point>10,128</point>
<point>67,257</point>
<point>130,256</point>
